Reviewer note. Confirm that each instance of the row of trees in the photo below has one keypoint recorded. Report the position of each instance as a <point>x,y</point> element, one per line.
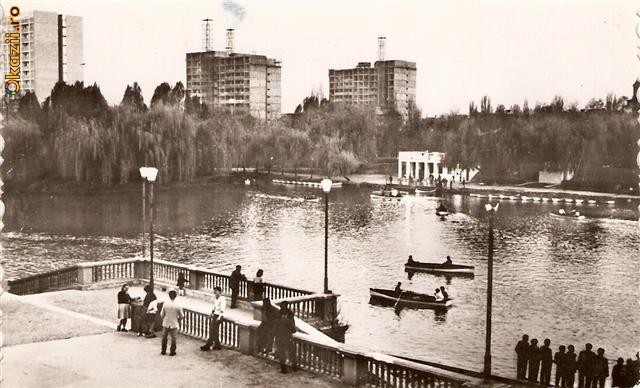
<point>75,135</point>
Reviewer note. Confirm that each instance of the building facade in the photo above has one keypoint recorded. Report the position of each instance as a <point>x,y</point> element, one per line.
<point>51,50</point>
<point>237,82</point>
<point>424,166</point>
<point>388,85</point>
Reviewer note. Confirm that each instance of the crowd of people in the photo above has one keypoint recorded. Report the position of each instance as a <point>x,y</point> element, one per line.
<point>534,363</point>
<point>278,323</point>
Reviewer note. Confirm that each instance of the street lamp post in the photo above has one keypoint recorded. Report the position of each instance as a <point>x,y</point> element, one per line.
<point>487,350</point>
<point>150,174</point>
<point>144,214</point>
<point>326,187</point>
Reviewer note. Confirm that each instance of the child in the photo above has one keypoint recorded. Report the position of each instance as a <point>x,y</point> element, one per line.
<point>181,282</point>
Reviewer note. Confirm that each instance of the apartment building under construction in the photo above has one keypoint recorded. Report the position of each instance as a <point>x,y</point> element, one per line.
<point>388,85</point>
<point>237,82</point>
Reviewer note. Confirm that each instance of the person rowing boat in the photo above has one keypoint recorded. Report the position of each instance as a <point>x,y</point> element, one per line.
<point>448,261</point>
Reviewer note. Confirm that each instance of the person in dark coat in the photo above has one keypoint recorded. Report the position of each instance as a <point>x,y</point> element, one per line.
<point>522,354</point>
<point>600,369</point>
<point>585,366</point>
<point>618,374</point>
<point>181,281</point>
<point>234,283</point>
<point>570,367</point>
<point>124,307</point>
<point>546,362</point>
<point>534,361</point>
<point>444,292</point>
<point>146,325</point>
<point>285,327</point>
<point>560,360</point>
<point>267,327</point>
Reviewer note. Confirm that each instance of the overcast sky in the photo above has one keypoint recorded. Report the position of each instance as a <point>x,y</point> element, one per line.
<point>509,50</point>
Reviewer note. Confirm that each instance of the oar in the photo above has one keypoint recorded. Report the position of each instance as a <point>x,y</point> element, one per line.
<point>398,301</point>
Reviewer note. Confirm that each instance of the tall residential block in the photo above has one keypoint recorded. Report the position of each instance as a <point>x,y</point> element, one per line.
<point>237,82</point>
<point>388,85</point>
<point>51,50</point>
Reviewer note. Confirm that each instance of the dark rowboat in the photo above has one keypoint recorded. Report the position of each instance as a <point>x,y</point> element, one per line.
<point>440,268</point>
<point>406,299</point>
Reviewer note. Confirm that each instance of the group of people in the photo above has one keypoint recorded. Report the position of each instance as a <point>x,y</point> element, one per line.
<point>277,323</point>
<point>235,279</point>
<point>440,294</point>
<point>534,363</point>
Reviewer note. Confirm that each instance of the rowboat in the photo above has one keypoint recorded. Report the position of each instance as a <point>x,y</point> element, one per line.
<point>555,200</point>
<point>406,299</point>
<point>524,198</point>
<point>591,202</point>
<point>425,192</point>
<point>386,194</point>
<point>438,267</point>
<point>311,198</point>
<point>568,200</point>
<point>569,216</point>
<point>536,199</point>
<point>609,202</point>
<point>578,201</point>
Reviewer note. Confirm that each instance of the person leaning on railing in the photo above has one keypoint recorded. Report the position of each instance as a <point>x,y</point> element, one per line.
<point>285,327</point>
<point>266,329</point>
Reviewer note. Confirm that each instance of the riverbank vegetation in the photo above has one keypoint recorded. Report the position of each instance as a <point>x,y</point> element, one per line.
<point>76,136</point>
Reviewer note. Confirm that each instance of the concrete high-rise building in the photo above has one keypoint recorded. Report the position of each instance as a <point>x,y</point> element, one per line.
<point>51,50</point>
<point>234,81</point>
<point>388,85</point>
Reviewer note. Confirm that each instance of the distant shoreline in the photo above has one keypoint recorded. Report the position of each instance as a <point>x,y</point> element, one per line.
<point>355,180</point>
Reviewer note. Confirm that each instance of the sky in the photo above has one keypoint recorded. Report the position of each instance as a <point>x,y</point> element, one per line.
<point>510,51</point>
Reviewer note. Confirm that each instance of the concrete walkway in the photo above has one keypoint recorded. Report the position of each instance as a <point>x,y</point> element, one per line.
<point>124,360</point>
<point>68,339</point>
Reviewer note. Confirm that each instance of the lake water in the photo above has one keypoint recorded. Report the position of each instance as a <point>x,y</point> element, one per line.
<point>572,282</point>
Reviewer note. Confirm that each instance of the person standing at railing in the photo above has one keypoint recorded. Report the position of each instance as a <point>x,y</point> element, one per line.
<point>285,327</point>
<point>181,281</point>
<point>258,286</point>
<point>546,362</point>
<point>171,314</point>
<point>266,329</point>
<point>124,307</point>
<point>215,319</point>
<point>522,353</point>
<point>234,283</point>
<point>147,321</point>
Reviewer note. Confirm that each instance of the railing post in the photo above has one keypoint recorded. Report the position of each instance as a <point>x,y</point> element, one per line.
<point>354,368</point>
<point>141,269</point>
<point>196,279</point>
<point>85,275</point>
<point>327,306</point>
<point>246,338</point>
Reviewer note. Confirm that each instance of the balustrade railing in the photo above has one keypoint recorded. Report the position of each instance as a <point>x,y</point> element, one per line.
<point>196,324</point>
<point>114,270</point>
<point>385,374</point>
<point>48,281</point>
<point>319,358</point>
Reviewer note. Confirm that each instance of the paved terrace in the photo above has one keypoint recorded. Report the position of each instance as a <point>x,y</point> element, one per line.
<point>68,339</point>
